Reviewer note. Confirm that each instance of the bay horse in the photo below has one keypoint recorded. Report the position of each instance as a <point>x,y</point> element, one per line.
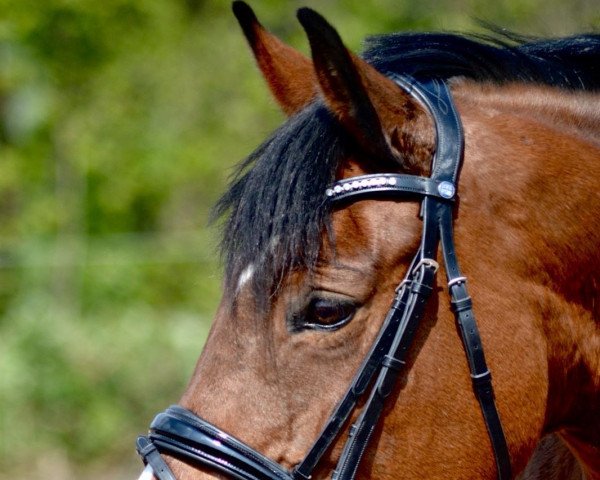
<point>324,220</point>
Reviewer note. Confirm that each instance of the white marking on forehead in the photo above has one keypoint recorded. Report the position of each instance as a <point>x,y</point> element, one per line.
<point>147,474</point>
<point>245,276</point>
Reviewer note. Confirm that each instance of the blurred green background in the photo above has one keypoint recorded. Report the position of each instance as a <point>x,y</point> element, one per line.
<point>120,122</point>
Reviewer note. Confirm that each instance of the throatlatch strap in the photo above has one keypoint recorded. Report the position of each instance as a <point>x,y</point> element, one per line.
<point>480,374</point>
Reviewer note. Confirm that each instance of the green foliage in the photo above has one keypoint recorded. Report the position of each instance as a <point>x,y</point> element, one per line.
<point>119,123</point>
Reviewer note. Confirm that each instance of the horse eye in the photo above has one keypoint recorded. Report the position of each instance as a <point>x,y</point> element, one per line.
<point>325,315</point>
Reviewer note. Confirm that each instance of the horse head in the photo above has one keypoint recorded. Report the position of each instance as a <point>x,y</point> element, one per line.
<point>312,268</point>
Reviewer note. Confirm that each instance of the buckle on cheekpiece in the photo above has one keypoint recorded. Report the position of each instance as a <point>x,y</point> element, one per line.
<point>428,262</point>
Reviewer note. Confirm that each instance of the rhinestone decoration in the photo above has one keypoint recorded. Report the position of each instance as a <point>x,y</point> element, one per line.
<point>349,186</point>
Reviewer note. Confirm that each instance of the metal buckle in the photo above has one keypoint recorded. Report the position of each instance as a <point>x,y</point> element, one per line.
<point>457,281</point>
<point>428,262</point>
<point>406,281</point>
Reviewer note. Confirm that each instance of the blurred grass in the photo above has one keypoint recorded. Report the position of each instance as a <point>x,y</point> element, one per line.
<point>119,123</point>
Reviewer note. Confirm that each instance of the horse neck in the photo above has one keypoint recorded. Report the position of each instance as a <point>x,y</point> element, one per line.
<point>541,153</point>
<point>540,163</point>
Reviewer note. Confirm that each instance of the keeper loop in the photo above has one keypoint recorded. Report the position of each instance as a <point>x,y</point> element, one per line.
<point>481,378</point>
<point>462,305</point>
<point>393,363</point>
<point>420,288</point>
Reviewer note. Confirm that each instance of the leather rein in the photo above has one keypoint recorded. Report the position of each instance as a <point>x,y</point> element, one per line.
<point>184,435</point>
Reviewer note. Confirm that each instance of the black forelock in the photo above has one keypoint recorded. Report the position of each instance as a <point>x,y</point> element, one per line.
<point>276,205</point>
<point>276,202</point>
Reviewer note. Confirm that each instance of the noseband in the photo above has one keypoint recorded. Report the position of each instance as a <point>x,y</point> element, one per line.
<point>184,435</point>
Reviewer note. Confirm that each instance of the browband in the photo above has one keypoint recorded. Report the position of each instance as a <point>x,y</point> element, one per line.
<point>391,184</point>
<point>181,433</point>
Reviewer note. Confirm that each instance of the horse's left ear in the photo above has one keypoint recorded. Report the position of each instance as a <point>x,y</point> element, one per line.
<point>375,110</point>
<point>289,74</point>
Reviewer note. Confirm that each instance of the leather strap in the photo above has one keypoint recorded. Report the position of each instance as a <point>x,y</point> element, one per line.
<point>362,379</point>
<point>435,96</point>
<point>150,455</point>
<point>480,374</point>
<point>423,270</point>
<point>361,431</point>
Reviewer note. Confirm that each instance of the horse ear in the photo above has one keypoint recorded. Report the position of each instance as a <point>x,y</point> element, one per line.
<point>289,74</point>
<point>375,110</point>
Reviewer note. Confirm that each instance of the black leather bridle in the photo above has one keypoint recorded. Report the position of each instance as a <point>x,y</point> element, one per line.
<point>184,435</point>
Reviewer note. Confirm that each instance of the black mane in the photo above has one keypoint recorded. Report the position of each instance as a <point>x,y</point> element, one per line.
<point>570,63</point>
<point>277,212</point>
